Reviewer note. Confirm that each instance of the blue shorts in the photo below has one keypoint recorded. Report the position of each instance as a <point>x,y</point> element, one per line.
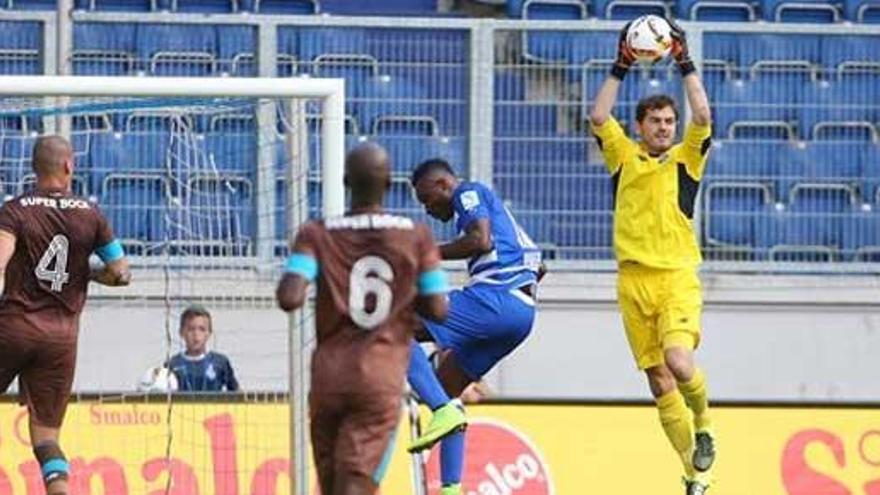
<point>484,324</point>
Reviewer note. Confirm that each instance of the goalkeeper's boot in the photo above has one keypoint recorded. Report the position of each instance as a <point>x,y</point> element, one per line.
<point>698,485</point>
<point>704,451</point>
<point>451,489</point>
<point>445,421</point>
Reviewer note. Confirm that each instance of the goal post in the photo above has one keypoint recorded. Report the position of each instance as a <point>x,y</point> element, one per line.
<point>61,92</point>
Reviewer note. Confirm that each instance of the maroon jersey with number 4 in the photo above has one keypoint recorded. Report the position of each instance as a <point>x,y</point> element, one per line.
<point>368,269</point>
<point>47,277</point>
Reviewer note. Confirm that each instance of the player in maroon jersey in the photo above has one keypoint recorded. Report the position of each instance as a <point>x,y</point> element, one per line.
<point>46,239</point>
<point>374,273</point>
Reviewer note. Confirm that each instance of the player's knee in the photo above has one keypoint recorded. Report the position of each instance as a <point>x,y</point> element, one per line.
<point>660,380</point>
<point>53,464</point>
<point>680,362</point>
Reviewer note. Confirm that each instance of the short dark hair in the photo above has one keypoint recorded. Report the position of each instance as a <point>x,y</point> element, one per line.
<point>655,102</point>
<point>429,166</point>
<point>195,311</point>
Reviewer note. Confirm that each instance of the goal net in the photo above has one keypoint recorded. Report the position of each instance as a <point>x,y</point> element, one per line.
<point>204,182</point>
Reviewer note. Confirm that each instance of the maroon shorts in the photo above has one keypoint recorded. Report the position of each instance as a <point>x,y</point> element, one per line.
<point>44,367</point>
<point>352,434</point>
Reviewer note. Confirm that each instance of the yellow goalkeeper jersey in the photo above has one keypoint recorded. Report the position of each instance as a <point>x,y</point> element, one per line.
<point>654,196</point>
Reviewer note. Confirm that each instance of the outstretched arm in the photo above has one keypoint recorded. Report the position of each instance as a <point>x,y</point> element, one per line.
<point>693,86</point>
<point>607,95</point>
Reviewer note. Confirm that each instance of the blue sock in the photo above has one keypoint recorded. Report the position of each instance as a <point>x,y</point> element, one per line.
<point>423,380</point>
<point>452,458</point>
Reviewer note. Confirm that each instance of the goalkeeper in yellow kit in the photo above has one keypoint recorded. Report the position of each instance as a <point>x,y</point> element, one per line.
<point>655,185</point>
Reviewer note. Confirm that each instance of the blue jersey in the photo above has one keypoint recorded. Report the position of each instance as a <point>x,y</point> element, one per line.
<point>514,259</point>
<point>210,372</point>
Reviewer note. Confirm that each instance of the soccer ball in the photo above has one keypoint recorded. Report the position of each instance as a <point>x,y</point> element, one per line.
<point>158,379</point>
<point>650,38</point>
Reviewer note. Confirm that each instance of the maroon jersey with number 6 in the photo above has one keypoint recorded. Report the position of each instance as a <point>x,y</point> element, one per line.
<point>369,266</point>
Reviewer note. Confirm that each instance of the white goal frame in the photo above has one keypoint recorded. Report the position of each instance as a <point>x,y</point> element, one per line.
<point>332,94</point>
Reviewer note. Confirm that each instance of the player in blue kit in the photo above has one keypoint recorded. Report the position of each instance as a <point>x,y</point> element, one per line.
<point>488,318</point>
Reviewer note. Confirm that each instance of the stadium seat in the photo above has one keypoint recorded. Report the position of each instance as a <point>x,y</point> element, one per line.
<point>867,11</point>
<point>309,42</point>
<point>177,49</point>
<point>514,154</point>
<point>356,69</point>
<point>836,50</point>
<point>525,119</point>
<point>577,192</point>
<point>740,161</point>
<point>730,212</point>
<point>123,5</point>
<point>814,11</point>
<point>103,48</point>
<point>218,216</point>
<point>233,152</point>
<point>837,163</point>
<point>113,152</point>
<point>135,206</point>
<point>629,9</point>
<point>583,235</point>
<point>817,214</point>
<point>445,81</point>
<point>743,50</point>
<point>848,99</point>
<point>20,44</point>
<point>33,4</point>
<point>205,6</point>
<point>15,161</point>
<point>758,130</point>
<point>861,236</point>
<point>849,130</point>
<point>871,174</point>
<point>757,100</point>
<point>287,7</point>
<point>236,46</point>
<point>551,45</point>
<point>380,7</point>
<point>715,10</point>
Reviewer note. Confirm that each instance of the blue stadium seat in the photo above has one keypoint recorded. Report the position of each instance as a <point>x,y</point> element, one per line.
<point>400,198</point>
<point>182,50</point>
<point>867,11</point>
<point>744,161</point>
<point>557,192</point>
<point>629,9</point>
<point>849,99</point>
<point>135,206</point>
<point>113,152</point>
<point>205,6</point>
<point>356,69</point>
<point>730,212</point>
<point>219,215</point>
<point>812,228</point>
<point>509,85</point>
<point>861,236</point>
<point>312,42</point>
<point>583,236</point>
<point>233,152</point>
<point>513,154</point>
<point>853,131</point>
<point>287,7</point>
<point>103,48</point>
<point>439,81</point>
<point>380,7</point>
<point>525,119</point>
<point>33,4</point>
<point>426,45</point>
<point>123,5</point>
<point>15,161</point>
<point>815,11</point>
<point>743,50</point>
<point>396,96</point>
<point>752,100</point>
<point>756,130</point>
<point>236,46</point>
<point>20,44</point>
<point>820,162</point>
<point>871,174</point>
<point>836,50</point>
<point>551,45</point>
<point>714,10</point>
<point>408,151</point>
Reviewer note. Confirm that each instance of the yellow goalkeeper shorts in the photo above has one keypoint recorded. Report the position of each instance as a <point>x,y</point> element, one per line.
<point>660,308</point>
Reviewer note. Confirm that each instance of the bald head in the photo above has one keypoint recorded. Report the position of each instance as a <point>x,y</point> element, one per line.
<point>50,157</point>
<point>367,173</point>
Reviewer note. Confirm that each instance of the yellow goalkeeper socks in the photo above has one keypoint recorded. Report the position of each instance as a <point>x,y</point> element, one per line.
<point>676,420</point>
<point>697,399</point>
